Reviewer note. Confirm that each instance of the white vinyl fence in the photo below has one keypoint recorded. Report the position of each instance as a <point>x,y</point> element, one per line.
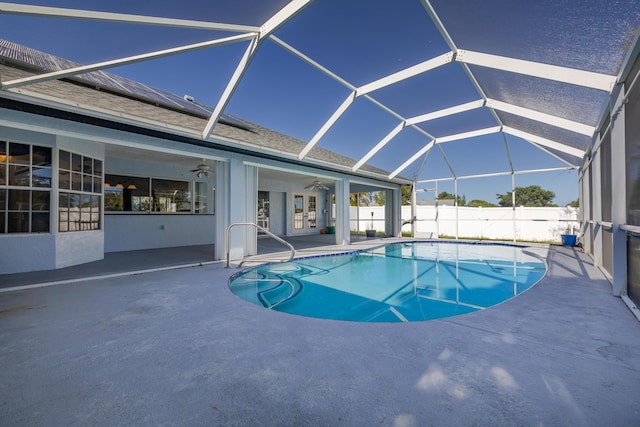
<point>531,224</point>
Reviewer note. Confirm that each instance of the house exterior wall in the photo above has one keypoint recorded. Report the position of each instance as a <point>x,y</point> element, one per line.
<point>279,211</point>
<point>135,231</point>
<point>44,251</point>
<point>145,231</point>
<point>78,248</point>
<point>20,253</point>
<point>122,231</point>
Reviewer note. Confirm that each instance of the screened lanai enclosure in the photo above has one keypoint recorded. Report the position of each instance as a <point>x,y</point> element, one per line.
<point>470,97</point>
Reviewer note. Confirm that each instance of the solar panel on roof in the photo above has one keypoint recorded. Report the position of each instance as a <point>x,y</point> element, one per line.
<point>114,82</point>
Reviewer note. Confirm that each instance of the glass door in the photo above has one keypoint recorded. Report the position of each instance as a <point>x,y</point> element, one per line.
<point>304,212</point>
<point>263,210</point>
<point>312,222</point>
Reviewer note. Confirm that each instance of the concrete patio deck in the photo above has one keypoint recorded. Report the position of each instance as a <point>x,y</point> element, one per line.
<point>175,347</point>
<point>140,261</point>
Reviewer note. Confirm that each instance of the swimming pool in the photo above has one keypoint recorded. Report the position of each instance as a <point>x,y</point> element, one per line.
<point>398,282</point>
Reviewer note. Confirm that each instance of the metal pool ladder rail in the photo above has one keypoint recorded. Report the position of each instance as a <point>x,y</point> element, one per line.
<point>270,234</point>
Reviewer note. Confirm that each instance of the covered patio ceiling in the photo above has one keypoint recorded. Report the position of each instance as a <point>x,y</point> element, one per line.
<point>422,89</point>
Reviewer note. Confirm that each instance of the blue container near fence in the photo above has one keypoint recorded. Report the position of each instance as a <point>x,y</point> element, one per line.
<point>568,239</point>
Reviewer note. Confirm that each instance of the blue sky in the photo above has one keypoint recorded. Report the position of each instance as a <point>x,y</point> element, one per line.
<point>361,42</point>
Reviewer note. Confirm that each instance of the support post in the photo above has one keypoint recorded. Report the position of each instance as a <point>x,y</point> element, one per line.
<point>232,204</point>
<point>414,210</point>
<point>619,189</point>
<point>393,212</point>
<point>343,233</point>
<point>513,205</point>
<point>222,212</point>
<point>251,208</point>
<point>437,214</point>
<point>596,188</point>
<point>455,201</point>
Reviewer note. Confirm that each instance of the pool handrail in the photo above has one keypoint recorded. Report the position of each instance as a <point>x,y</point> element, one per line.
<point>267,232</point>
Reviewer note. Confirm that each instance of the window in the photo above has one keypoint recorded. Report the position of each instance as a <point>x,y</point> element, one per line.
<point>126,193</point>
<point>25,188</point>
<point>170,196</point>
<point>153,195</point>
<point>79,200</point>
<point>200,202</point>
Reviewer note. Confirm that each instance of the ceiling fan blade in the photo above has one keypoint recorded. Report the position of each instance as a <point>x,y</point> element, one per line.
<point>317,185</point>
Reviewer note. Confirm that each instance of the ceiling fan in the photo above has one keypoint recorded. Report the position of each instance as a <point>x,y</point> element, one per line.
<point>201,170</point>
<point>317,185</point>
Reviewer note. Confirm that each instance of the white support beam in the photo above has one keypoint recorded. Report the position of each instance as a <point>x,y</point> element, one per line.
<point>311,62</point>
<point>231,87</point>
<point>343,82</point>
<point>412,159</point>
<point>552,154</point>
<point>474,82</point>
<point>122,61</point>
<point>471,134</point>
<point>397,116</point>
<point>506,146</point>
<point>495,174</point>
<point>572,76</point>
<point>446,160</point>
<point>395,131</point>
<point>282,16</point>
<point>346,84</point>
<point>439,25</point>
<point>56,12</point>
<point>446,112</point>
<point>415,70</point>
<point>542,117</point>
<point>275,22</point>
<point>421,168</point>
<point>544,142</point>
<point>325,128</point>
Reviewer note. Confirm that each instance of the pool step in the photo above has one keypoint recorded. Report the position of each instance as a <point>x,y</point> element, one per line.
<point>284,290</point>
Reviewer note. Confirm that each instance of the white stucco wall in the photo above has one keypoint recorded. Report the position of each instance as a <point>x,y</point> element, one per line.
<point>79,247</point>
<point>24,252</point>
<point>147,231</point>
<point>277,212</point>
<point>34,252</point>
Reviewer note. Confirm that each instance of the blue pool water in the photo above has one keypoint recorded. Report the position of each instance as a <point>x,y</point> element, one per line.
<point>400,282</point>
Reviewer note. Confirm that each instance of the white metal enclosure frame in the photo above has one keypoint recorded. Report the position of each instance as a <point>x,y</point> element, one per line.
<point>255,36</point>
